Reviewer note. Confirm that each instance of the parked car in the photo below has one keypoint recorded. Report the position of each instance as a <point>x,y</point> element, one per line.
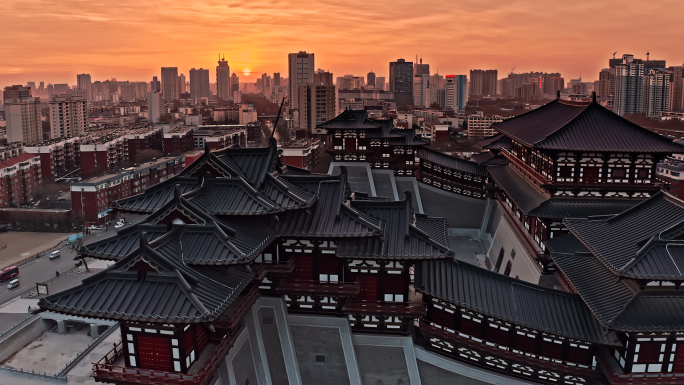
<point>119,225</point>
<point>54,254</point>
<point>93,227</point>
<point>12,284</point>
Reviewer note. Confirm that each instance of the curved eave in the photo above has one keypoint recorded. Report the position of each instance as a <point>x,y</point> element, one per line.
<point>612,342</point>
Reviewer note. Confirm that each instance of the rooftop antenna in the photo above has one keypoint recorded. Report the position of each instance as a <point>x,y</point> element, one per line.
<point>614,54</point>
<point>278,117</point>
<point>648,53</point>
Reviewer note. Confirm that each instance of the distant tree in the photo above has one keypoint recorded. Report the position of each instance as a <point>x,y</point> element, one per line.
<point>435,106</point>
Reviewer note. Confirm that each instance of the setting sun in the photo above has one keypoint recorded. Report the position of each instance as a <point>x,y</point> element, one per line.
<point>246,72</point>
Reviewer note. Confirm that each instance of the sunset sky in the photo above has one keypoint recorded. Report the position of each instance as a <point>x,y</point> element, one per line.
<point>53,40</point>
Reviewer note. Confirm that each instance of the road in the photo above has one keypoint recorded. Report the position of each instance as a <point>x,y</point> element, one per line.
<point>42,269</point>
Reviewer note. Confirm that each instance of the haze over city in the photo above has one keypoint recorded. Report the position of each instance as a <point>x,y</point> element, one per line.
<point>51,41</point>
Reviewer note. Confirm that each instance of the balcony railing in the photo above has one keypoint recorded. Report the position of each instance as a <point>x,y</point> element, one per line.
<point>638,378</point>
<point>383,307</point>
<point>104,371</point>
<point>510,356</point>
<point>337,289</point>
<point>280,269</point>
<point>520,164</point>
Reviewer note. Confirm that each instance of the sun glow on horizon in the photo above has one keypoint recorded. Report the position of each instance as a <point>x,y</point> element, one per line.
<point>246,71</point>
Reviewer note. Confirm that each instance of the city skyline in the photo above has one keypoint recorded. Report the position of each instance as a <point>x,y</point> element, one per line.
<point>133,40</point>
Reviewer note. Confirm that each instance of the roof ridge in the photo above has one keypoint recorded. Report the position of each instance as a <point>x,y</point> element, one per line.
<point>566,124</point>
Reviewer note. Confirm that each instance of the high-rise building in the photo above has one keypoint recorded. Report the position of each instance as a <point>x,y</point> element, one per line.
<point>68,115</point>
<point>234,84</point>
<point>22,115</point>
<point>16,92</point>
<point>421,83</point>
<point>456,88</point>
<point>300,70</point>
<point>61,89</point>
<point>316,102</point>
<point>41,89</point>
<point>199,84</point>
<point>437,80</point>
<point>169,83</point>
<point>557,84</point>
<point>656,92</point>
<point>266,84</point>
<point>677,88</point>
<point>604,92</point>
<point>223,80</point>
<point>483,82</point>
<point>154,102</point>
<point>628,86</point>
<point>32,86</point>
<point>420,68</point>
<point>380,83</point>
<point>370,79</point>
<point>155,85</point>
<point>50,90</point>
<point>182,84</point>
<point>401,81</point>
<point>83,83</point>
<point>276,80</point>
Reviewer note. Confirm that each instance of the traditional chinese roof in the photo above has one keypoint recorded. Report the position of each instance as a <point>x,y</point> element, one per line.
<point>582,207</point>
<point>156,196</point>
<point>350,120</point>
<point>489,159</point>
<point>332,215</point>
<point>403,237</point>
<point>495,142</point>
<point>582,126</point>
<point>617,304</point>
<point>451,162</point>
<point>511,300</point>
<point>635,242</point>
<point>154,285</point>
<point>526,195</point>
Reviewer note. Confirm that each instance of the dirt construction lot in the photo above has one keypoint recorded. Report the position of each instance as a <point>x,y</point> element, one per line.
<point>23,244</point>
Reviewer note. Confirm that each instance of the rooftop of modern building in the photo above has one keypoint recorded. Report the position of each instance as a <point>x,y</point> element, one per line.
<point>118,174</point>
<point>16,160</point>
<point>300,143</point>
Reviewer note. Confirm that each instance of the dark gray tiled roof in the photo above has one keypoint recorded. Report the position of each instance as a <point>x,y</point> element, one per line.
<point>124,242</point>
<point>566,244</point>
<point>600,289</point>
<point>254,163</point>
<point>436,228</point>
<point>156,196</point>
<point>232,196</point>
<point>653,311</point>
<point>657,259</point>
<point>153,286</point>
<point>451,162</point>
<point>495,142</point>
<point>580,126</point>
<point>331,216</point>
<point>287,195</point>
<point>401,237</point>
<point>522,192</point>
<point>350,120</point>
<point>616,241</point>
<point>582,207</point>
<point>511,300</point>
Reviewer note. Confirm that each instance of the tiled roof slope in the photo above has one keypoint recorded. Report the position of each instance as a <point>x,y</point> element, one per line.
<point>153,285</point>
<point>401,238</point>
<point>621,242</point>
<point>582,126</point>
<point>451,162</point>
<point>521,303</point>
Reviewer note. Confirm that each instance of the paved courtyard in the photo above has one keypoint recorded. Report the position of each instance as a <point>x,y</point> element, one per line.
<point>50,352</point>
